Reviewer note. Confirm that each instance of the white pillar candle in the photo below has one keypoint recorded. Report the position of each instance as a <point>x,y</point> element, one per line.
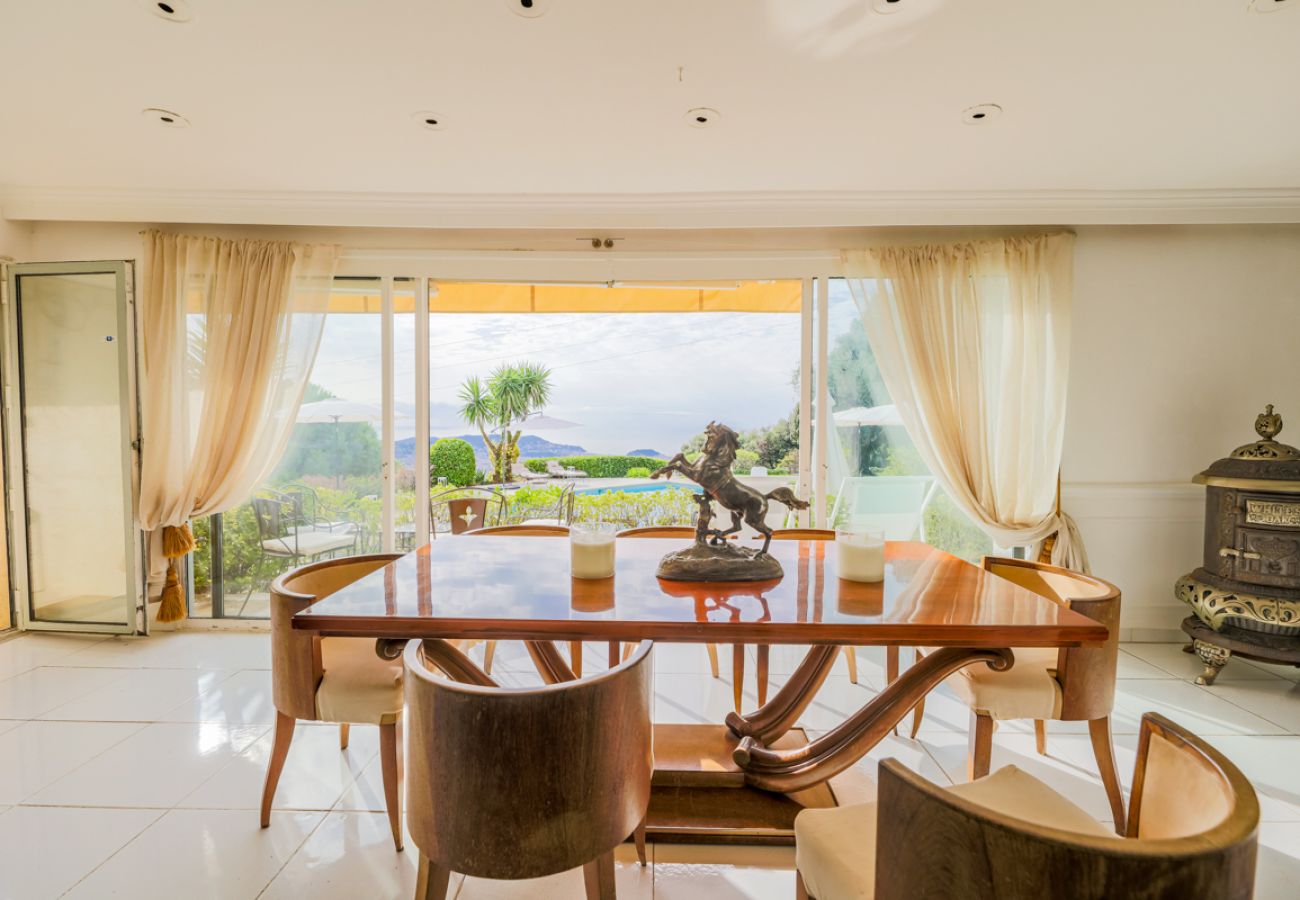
<point>591,552</point>
<point>860,556</point>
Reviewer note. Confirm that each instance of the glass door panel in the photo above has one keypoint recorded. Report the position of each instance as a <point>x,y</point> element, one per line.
<point>77,413</point>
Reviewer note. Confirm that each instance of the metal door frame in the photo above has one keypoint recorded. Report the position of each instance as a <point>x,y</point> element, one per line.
<point>14,449</point>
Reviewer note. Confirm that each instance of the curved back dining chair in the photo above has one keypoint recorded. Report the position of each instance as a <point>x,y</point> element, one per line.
<point>1193,832</point>
<point>465,509</point>
<point>526,530</point>
<point>1069,684</point>
<point>850,653</point>
<point>330,679</point>
<point>575,647</point>
<point>512,783</point>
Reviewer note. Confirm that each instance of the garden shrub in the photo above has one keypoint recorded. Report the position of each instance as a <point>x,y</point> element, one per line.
<point>745,460</point>
<point>536,465</point>
<point>638,472</point>
<point>453,459</point>
<point>609,466</point>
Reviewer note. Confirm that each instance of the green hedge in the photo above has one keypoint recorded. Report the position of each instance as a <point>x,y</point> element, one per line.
<point>453,459</point>
<point>638,472</point>
<point>600,466</point>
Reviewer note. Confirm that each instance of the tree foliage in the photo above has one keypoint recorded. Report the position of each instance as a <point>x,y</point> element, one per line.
<point>501,404</point>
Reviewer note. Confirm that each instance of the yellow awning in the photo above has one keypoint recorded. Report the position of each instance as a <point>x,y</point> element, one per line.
<point>483,297</point>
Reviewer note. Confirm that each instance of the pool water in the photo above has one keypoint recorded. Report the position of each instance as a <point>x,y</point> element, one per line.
<point>640,489</point>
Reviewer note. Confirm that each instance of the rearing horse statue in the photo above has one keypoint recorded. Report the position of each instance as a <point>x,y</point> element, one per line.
<point>712,471</point>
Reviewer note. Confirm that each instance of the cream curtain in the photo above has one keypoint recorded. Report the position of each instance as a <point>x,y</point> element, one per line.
<point>230,331</point>
<point>973,342</point>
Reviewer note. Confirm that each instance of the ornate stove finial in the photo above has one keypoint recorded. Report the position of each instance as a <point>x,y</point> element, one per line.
<point>1268,423</point>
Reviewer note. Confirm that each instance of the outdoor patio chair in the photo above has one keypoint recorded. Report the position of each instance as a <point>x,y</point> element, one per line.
<point>307,511</point>
<point>558,513</point>
<point>554,467</point>
<point>282,537</point>
<point>523,473</point>
<point>465,509</point>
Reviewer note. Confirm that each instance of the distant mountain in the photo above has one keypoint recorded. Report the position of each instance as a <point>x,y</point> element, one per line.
<point>530,447</point>
<point>653,454</point>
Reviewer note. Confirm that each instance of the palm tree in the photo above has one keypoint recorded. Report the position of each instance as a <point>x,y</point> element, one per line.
<point>510,395</point>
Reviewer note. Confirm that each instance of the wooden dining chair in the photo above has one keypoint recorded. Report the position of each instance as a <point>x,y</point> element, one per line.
<point>683,531</point>
<point>763,651</point>
<point>511,783</point>
<point>329,679</point>
<point>1069,684</point>
<point>575,647</point>
<point>1192,832</point>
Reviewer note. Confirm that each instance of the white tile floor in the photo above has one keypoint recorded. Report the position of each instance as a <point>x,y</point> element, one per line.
<point>133,768</point>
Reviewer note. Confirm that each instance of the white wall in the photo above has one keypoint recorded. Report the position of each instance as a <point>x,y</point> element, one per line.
<point>15,239</point>
<point>1181,335</point>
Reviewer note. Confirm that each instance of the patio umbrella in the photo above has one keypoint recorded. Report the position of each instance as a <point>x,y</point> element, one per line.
<point>336,410</point>
<point>543,422</point>
<point>862,416</point>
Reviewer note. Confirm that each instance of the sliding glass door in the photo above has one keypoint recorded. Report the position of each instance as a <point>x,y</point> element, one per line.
<point>71,431</point>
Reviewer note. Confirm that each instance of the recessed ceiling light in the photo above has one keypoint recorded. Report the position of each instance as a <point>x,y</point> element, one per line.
<point>166,117</point>
<point>171,10</point>
<point>429,119</point>
<point>885,7</point>
<point>529,9</point>
<point>978,115</point>
<point>702,117</point>
<point>1268,6</point>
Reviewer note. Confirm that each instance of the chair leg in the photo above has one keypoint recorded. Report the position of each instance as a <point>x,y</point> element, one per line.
<point>713,658</point>
<point>851,657</point>
<point>1104,750</point>
<point>279,750</point>
<point>392,785</point>
<point>737,673</point>
<point>891,670</point>
<point>615,653</point>
<point>431,880</point>
<point>599,877</point>
<point>918,713</point>
<point>764,661</point>
<point>345,732</point>
<point>575,657</point>
<point>800,892</point>
<point>1040,737</point>
<point>639,837</point>
<point>489,652</point>
<point>981,745</point>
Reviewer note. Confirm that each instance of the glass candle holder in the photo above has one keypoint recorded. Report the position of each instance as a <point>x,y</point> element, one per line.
<point>860,555</point>
<point>591,551</point>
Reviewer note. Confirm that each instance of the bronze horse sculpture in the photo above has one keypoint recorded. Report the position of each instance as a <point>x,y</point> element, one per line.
<point>712,471</point>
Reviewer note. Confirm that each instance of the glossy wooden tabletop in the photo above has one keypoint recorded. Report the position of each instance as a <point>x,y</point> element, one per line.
<point>520,588</point>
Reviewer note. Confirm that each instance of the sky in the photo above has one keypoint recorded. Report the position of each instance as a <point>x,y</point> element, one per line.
<point>631,380</point>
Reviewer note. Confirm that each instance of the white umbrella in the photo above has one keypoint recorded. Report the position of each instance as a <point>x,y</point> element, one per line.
<point>543,422</point>
<point>335,410</point>
<point>862,416</point>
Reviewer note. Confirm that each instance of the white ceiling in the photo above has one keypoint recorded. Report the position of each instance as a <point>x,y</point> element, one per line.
<point>818,99</point>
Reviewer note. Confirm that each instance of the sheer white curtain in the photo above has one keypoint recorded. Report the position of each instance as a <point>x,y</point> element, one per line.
<point>230,330</point>
<point>973,342</point>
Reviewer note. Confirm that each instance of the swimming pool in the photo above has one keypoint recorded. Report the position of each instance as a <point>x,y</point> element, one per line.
<point>640,489</point>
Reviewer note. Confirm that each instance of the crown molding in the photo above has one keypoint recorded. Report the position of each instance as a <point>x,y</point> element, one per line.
<point>772,209</point>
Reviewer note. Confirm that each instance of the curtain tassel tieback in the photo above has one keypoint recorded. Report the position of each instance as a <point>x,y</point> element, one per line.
<point>176,543</point>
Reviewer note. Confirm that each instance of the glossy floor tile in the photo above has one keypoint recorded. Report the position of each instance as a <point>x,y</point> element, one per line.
<point>138,764</point>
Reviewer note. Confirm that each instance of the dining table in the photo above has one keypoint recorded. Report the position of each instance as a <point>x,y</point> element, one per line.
<point>744,779</point>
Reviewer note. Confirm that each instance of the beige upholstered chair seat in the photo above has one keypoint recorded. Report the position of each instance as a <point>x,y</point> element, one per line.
<point>835,849</point>
<point>310,543</point>
<point>1028,690</point>
<point>358,686</point>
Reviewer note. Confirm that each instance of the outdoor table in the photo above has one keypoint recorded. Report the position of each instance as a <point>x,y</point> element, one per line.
<point>744,780</point>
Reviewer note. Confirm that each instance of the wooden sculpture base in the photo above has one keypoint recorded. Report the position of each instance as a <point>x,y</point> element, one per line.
<point>699,795</point>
